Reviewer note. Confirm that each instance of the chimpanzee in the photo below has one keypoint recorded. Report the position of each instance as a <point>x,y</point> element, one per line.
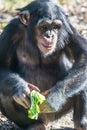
<point>40,50</point>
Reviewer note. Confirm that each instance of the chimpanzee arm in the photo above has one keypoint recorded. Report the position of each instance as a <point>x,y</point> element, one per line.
<point>8,43</point>
<point>11,84</point>
<point>8,60</point>
<point>74,82</point>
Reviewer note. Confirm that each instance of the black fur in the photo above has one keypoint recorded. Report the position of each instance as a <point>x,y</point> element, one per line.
<point>64,71</point>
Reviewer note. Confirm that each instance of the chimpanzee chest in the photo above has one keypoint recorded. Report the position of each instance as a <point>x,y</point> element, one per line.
<point>45,72</point>
<point>43,77</point>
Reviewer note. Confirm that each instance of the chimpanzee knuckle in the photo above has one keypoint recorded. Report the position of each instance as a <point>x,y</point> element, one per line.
<point>22,91</point>
<point>21,95</point>
<point>27,91</point>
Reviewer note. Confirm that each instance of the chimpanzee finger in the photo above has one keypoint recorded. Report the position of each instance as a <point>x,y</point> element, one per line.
<point>46,93</point>
<point>33,87</point>
<point>25,100</point>
<point>22,100</point>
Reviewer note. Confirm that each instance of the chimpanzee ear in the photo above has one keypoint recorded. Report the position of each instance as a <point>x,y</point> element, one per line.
<point>24,17</point>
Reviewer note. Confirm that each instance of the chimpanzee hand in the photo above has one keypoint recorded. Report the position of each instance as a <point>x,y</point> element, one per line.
<point>46,93</point>
<point>21,95</point>
<point>45,106</point>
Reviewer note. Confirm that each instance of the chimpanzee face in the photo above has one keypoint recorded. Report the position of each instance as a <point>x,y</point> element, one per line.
<point>48,27</point>
<point>47,35</point>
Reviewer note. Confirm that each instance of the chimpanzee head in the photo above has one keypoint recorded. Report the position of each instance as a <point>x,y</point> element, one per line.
<point>48,25</point>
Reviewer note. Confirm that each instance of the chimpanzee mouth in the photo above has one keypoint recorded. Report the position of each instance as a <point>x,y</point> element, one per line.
<point>49,47</point>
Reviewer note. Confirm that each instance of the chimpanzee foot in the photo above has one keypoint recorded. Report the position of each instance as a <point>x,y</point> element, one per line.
<point>37,127</point>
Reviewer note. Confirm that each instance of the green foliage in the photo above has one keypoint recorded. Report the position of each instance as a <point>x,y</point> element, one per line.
<point>36,98</point>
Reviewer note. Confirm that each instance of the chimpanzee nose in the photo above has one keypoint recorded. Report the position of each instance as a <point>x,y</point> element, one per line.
<point>49,34</point>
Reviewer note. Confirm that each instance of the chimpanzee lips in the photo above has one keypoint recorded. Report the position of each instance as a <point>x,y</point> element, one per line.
<point>47,46</point>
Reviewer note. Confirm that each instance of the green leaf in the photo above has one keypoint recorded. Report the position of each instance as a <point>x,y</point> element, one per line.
<point>36,98</point>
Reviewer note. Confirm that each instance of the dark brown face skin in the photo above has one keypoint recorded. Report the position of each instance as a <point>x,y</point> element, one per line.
<point>47,35</point>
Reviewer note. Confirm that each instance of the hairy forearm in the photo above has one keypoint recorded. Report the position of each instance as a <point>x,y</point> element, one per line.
<point>71,85</point>
<point>9,81</point>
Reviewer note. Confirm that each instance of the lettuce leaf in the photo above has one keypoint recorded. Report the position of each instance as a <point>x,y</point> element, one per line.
<point>36,98</point>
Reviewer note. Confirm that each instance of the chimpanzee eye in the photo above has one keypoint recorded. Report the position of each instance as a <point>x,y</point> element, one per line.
<point>56,27</point>
<point>44,27</point>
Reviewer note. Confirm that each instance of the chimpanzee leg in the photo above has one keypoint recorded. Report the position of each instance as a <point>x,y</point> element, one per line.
<point>37,127</point>
<point>80,111</point>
